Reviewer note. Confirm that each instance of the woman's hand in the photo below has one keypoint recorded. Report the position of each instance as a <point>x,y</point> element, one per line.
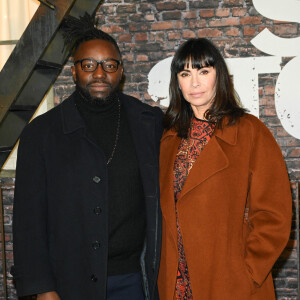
<point>48,296</point>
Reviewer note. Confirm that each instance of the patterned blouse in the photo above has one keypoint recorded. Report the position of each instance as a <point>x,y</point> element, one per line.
<point>188,151</point>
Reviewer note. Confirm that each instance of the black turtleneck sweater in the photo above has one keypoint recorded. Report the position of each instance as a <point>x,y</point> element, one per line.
<point>125,193</point>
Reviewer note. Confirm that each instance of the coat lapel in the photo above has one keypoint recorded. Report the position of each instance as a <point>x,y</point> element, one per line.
<point>71,118</point>
<point>169,149</point>
<point>142,126</point>
<point>211,160</point>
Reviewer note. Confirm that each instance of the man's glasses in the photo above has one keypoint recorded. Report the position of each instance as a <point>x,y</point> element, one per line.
<point>90,65</point>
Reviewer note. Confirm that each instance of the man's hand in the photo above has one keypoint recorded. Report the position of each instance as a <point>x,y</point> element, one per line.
<point>48,296</point>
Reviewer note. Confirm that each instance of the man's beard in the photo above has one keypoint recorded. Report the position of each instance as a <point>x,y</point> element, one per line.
<point>85,94</point>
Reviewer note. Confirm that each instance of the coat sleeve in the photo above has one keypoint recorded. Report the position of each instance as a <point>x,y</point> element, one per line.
<point>159,125</point>
<point>32,270</point>
<point>270,204</point>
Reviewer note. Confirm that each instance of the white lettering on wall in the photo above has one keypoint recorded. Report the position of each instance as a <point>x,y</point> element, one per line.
<point>287,10</point>
<point>159,80</point>
<point>245,71</point>
<point>287,97</point>
<point>287,90</point>
<point>269,43</point>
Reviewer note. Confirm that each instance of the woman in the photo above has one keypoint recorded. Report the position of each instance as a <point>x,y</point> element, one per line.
<point>225,193</point>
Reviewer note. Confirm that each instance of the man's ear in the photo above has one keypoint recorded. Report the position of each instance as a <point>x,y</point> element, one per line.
<point>74,73</point>
<point>122,71</point>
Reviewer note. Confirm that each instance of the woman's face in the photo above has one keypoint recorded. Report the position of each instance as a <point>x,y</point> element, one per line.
<point>198,87</point>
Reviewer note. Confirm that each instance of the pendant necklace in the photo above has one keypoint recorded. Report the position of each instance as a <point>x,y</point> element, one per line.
<point>117,133</point>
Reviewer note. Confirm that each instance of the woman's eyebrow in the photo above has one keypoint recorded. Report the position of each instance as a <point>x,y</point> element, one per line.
<point>185,70</point>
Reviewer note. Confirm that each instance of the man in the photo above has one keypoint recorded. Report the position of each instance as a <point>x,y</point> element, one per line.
<point>87,218</point>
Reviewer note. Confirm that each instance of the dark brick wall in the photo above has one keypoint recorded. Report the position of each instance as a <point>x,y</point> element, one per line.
<point>285,270</point>
<point>7,195</point>
<point>149,31</point>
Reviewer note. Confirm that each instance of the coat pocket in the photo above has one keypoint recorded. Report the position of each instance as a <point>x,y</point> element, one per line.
<point>251,283</point>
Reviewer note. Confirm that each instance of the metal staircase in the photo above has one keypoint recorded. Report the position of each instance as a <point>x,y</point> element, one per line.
<point>33,66</point>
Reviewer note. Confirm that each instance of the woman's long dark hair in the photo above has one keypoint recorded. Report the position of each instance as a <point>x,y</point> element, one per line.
<point>201,53</point>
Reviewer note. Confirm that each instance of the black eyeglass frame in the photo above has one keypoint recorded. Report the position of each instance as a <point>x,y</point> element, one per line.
<point>119,63</point>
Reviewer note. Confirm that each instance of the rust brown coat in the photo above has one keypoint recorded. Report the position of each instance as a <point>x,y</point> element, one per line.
<point>228,256</point>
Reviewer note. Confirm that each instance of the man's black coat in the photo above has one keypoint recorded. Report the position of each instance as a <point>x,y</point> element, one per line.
<point>61,206</point>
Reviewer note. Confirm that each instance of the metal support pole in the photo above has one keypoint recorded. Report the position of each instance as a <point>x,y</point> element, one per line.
<point>48,3</point>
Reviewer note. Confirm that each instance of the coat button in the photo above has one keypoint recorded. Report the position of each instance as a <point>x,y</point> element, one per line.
<point>94,278</point>
<point>96,245</point>
<point>96,179</point>
<point>97,210</point>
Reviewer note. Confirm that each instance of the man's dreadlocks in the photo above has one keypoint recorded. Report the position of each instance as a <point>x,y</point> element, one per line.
<point>77,31</point>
